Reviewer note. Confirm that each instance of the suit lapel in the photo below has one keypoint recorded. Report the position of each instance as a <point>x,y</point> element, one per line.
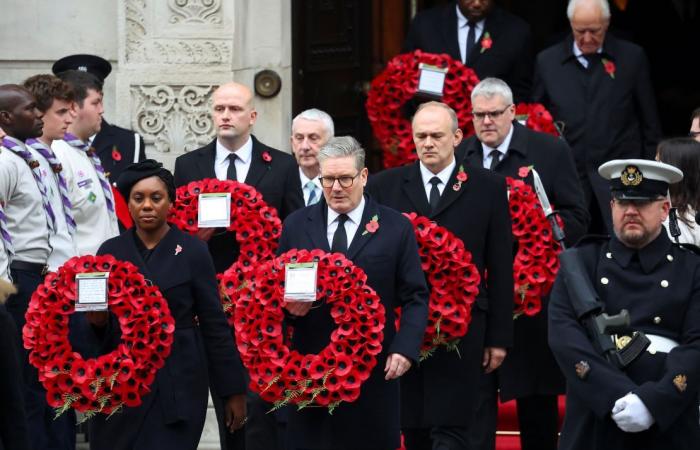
<point>450,194</point>
<point>449,32</point>
<point>258,166</point>
<point>206,161</point>
<point>361,238</point>
<point>317,229</point>
<point>474,153</point>
<point>414,190</point>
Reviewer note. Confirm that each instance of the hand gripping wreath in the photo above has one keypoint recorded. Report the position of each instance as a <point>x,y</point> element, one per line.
<point>536,117</point>
<point>536,264</point>
<point>284,376</point>
<point>454,285</point>
<point>256,224</point>
<point>397,84</point>
<point>119,378</point>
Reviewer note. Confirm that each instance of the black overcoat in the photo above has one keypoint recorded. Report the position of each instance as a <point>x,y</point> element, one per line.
<point>509,58</point>
<point>530,368</point>
<point>660,287</point>
<point>203,351</point>
<point>442,390</point>
<point>389,257</point>
<point>277,180</point>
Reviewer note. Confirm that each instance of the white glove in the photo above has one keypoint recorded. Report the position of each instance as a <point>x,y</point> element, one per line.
<point>631,415</point>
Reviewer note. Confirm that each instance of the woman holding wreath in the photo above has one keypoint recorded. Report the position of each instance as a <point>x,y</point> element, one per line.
<point>172,415</point>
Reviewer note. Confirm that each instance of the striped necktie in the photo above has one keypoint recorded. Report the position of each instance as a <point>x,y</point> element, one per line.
<point>45,151</point>
<point>75,142</point>
<point>5,234</point>
<point>313,199</point>
<point>18,148</point>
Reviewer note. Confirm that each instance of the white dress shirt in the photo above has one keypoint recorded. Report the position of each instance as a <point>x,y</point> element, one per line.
<point>244,156</point>
<point>351,225</point>
<point>463,31</point>
<point>306,189</point>
<point>26,217</point>
<point>443,175</point>
<point>94,222</point>
<point>503,148</point>
<point>62,246</point>
<point>579,55</point>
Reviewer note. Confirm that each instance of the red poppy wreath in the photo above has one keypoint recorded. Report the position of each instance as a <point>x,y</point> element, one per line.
<point>284,376</point>
<point>536,264</point>
<point>536,117</point>
<point>112,381</point>
<point>256,224</point>
<point>454,285</point>
<point>397,84</point>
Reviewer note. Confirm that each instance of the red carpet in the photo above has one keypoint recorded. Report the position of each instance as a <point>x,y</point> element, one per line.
<point>507,437</point>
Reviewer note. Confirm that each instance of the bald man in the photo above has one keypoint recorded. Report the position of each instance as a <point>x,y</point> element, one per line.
<point>237,155</point>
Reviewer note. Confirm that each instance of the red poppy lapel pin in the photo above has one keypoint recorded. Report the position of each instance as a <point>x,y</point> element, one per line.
<point>116,154</point>
<point>178,249</point>
<point>524,171</point>
<point>266,156</point>
<point>372,226</point>
<point>461,178</point>
<point>609,67</point>
<point>486,42</point>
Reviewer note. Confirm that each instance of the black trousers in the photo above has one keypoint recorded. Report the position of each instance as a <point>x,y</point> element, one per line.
<point>436,438</point>
<point>45,433</point>
<point>537,417</point>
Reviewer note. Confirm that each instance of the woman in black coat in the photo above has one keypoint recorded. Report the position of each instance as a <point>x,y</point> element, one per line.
<point>172,415</point>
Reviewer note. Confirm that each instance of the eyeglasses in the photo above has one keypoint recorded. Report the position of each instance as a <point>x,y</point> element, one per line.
<point>481,115</point>
<point>345,181</point>
<point>694,134</point>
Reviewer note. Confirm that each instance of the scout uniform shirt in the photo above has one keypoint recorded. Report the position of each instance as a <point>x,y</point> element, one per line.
<point>95,223</point>
<point>62,245</point>
<point>26,218</point>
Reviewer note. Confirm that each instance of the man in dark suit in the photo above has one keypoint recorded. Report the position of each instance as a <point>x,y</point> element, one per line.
<point>530,373</point>
<point>485,37</point>
<point>439,397</point>
<point>237,155</point>
<point>389,257</point>
<point>117,147</point>
<point>600,87</point>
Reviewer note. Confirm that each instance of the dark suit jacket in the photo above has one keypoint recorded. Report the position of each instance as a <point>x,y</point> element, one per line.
<point>442,390</point>
<point>604,118</point>
<point>390,259</point>
<point>530,368</point>
<point>113,139</point>
<point>203,352</point>
<point>13,426</point>
<point>277,180</point>
<point>510,57</point>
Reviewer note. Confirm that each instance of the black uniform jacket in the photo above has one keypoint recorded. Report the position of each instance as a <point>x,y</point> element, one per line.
<point>116,148</point>
<point>442,389</point>
<point>13,426</point>
<point>277,180</point>
<point>389,257</point>
<point>203,351</point>
<point>509,58</point>
<point>660,287</point>
<point>530,368</point>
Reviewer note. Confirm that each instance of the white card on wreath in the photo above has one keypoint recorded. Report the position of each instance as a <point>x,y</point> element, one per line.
<point>431,80</point>
<point>214,210</point>
<point>91,289</point>
<point>300,282</point>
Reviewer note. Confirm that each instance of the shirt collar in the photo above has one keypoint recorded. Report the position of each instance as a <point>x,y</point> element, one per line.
<point>244,153</point>
<point>503,147</point>
<point>443,175</point>
<point>305,179</point>
<point>649,256</point>
<point>355,215</point>
<point>462,20</point>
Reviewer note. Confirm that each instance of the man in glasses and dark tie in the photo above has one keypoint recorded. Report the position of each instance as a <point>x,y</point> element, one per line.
<point>439,397</point>
<point>381,242</point>
<point>311,129</point>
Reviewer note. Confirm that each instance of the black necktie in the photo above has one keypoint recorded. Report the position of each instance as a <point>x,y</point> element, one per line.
<point>340,237</point>
<point>471,39</point>
<point>231,172</point>
<point>495,158</point>
<point>434,193</point>
<point>591,58</point>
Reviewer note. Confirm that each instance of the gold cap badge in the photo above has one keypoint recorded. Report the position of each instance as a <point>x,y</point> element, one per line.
<point>631,176</point>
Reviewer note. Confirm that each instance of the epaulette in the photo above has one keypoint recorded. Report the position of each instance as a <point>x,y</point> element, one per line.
<point>591,239</point>
<point>689,247</point>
